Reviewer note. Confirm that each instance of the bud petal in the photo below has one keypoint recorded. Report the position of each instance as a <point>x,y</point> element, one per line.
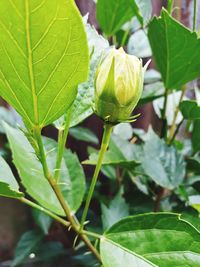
<point>118,86</point>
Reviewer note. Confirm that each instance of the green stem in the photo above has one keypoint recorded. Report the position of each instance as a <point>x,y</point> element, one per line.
<point>194,15</point>
<point>72,219</point>
<point>163,113</point>
<point>52,215</point>
<point>62,137</point>
<point>125,35</point>
<point>104,145</point>
<point>170,6</point>
<point>95,235</point>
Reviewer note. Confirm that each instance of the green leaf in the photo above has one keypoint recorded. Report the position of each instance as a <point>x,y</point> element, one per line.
<point>72,182</point>
<point>194,201</point>
<point>152,76</point>
<point>8,185</point>
<point>117,13</point>
<point>120,153</point>
<point>172,104</point>
<point>176,50</point>
<point>152,92</point>
<point>42,220</point>
<point>117,210</point>
<point>154,239</point>
<point>190,110</point>
<point>193,164</point>
<point>43,57</point>
<point>138,45</point>
<point>196,135</point>
<point>9,116</point>
<point>50,251</point>
<point>84,134</point>
<point>82,107</point>
<point>27,243</point>
<point>145,7</point>
<point>123,130</point>
<point>163,164</point>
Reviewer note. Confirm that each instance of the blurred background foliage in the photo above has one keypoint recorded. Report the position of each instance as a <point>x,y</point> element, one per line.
<point>140,173</point>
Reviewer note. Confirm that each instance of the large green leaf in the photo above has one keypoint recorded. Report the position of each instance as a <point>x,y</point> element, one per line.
<point>176,50</point>
<point>112,14</point>
<point>154,239</point>
<point>43,57</point>
<point>190,110</point>
<point>72,182</point>
<point>162,163</point>
<point>83,104</point>
<point>8,185</point>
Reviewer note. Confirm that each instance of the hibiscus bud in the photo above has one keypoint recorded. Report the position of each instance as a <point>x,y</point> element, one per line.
<point>118,86</point>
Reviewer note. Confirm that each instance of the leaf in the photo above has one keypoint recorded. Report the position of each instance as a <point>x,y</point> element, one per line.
<point>50,251</point>
<point>195,136</point>
<point>120,153</point>
<point>27,243</point>
<point>190,110</point>
<point>117,210</point>
<point>152,76</point>
<point>84,134</point>
<point>9,116</point>
<point>42,220</point>
<point>123,130</point>
<point>152,92</point>
<point>194,201</point>
<point>172,103</point>
<point>138,45</point>
<point>8,185</point>
<point>43,57</point>
<point>72,182</point>
<point>145,7</point>
<point>82,107</point>
<point>193,164</point>
<point>163,164</point>
<point>117,13</point>
<point>154,239</point>
<point>176,50</point>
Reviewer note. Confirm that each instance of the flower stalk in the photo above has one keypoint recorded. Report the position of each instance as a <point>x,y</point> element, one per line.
<point>104,145</point>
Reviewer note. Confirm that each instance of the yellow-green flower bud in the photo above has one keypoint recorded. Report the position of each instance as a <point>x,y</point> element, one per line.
<point>118,86</point>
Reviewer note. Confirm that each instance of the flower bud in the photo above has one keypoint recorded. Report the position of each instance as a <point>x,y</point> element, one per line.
<point>118,86</point>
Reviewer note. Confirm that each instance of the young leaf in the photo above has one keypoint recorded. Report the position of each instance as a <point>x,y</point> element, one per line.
<point>28,242</point>
<point>8,185</point>
<point>176,50</point>
<point>154,239</point>
<point>72,182</point>
<point>43,57</point>
<point>117,13</point>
